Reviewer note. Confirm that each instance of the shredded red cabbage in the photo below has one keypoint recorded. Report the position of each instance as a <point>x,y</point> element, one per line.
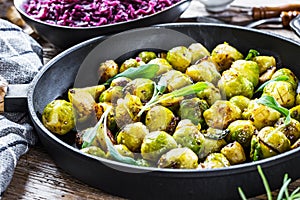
<point>87,13</point>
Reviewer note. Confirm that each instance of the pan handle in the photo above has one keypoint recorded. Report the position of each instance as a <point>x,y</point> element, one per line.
<point>15,99</point>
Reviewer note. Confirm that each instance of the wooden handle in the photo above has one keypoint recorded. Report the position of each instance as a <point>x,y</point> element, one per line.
<point>3,90</point>
<point>270,12</point>
<point>287,17</point>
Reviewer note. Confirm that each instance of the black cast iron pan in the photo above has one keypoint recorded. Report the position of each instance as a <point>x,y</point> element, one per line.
<point>153,183</point>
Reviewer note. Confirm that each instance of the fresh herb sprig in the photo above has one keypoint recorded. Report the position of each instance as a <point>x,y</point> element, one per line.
<point>269,101</point>
<point>283,192</point>
<point>251,54</point>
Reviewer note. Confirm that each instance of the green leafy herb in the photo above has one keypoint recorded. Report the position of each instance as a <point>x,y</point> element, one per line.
<point>185,91</point>
<point>279,78</point>
<point>252,53</point>
<point>144,71</point>
<point>283,192</point>
<point>269,101</point>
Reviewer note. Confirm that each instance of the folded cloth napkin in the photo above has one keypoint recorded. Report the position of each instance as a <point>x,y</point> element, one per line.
<point>20,60</point>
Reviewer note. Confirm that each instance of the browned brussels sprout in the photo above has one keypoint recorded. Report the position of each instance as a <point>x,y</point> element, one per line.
<point>267,75</point>
<point>264,63</point>
<point>179,158</point>
<point>297,101</point>
<point>221,114</point>
<point>123,150</point>
<point>282,91</point>
<point>193,109</point>
<point>224,55</point>
<point>179,57</point>
<point>164,65</point>
<point>260,115</point>
<point>146,56</point>
<point>240,101</point>
<point>234,152</point>
<point>205,70</point>
<point>274,138</point>
<point>94,91</point>
<point>155,144</point>
<point>132,136</point>
<point>291,76</point>
<point>295,112</point>
<point>120,81</point>
<point>107,70</point>
<point>210,146</point>
<point>211,94</point>
<point>198,52</point>
<point>247,69</point>
<point>241,131</point>
<point>95,151</point>
<point>131,62</point>
<point>215,160</point>
<point>291,131</point>
<point>233,84</point>
<point>296,144</point>
<point>188,135</point>
<point>259,150</point>
<point>174,80</point>
<point>127,109</point>
<point>140,87</point>
<point>58,117</point>
<point>160,118</point>
<point>112,94</point>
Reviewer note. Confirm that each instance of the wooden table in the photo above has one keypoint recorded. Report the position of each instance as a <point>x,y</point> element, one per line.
<point>38,177</point>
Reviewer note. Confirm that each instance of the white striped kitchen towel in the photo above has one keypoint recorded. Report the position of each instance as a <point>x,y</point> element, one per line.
<point>20,60</point>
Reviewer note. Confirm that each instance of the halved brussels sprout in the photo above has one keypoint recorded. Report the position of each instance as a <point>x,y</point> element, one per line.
<point>205,70</point>
<point>247,69</point>
<point>198,52</point>
<point>164,65</point>
<point>264,63</point>
<point>211,94</point>
<point>95,151</point>
<point>160,118</point>
<point>221,114</point>
<point>215,160</point>
<point>174,80</point>
<point>295,112</point>
<point>112,94</point>
<point>179,158</point>
<point>155,144</point>
<point>146,56</point>
<point>107,70</point>
<point>132,136</point>
<point>179,57</point>
<point>240,101</point>
<point>188,135</point>
<point>241,131</point>
<point>224,55</point>
<point>123,150</point>
<point>234,152</point>
<point>259,150</point>
<point>58,117</point>
<point>131,62</point>
<point>140,87</point>
<point>287,72</point>
<point>210,146</point>
<point>120,81</point>
<point>291,131</point>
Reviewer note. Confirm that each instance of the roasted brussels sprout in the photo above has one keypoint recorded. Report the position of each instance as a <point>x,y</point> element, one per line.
<point>226,111</point>
<point>274,138</point>
<point>123,150</point>
<point>95,151</point>
<point>193,109</point>
<point>140,87</point>
<point>211,94</point>
<point>198,52</point>
<point>112,94</point>
<point>240,101</point>
<point>99,138</point>
<point>107,70</point>
<point>146,56</point>
<point>174,80</point>
<point>215,160</point>
<point>127,109</point>
<point>264,63</point>
<point>247,69</point>
<point>155,144</point>
<point>259,150</point>
<point>132,136</point>
<point>94,91</point>
<point>287,72</point>
<point>210,146</point>
<point>179,158</point>
<point>160,118</point>
<point>120,81</point>
<point>234,152</point>
<point>164,65</point>
<point>297,102</point>
<point>131,62</point>
<point>260,115</point>
<point>282,91</point>
<point>179,57</point>
<point>296,144</point>
<point>295,112</point>
<point>291,131</point>
<point>241,131</point>
<point>188,135</point>
<point>205,70</point>
<point>267,75</point>
<point>58,117</point>
<point>233,84</point>
<point>224,55</point>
